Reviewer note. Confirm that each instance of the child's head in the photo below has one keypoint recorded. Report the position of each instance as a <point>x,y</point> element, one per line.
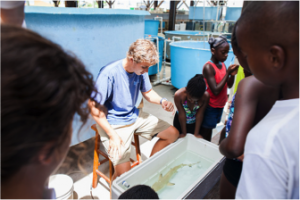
<point>42,87</point>
<point>219,48</point>
<point>195,88</point>
<point>139,192</point>
<point>238,52</point>
<point>268,36</point>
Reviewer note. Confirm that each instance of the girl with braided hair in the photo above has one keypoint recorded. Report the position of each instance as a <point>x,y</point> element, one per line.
<point>217,79</point>
<point>191,102</point>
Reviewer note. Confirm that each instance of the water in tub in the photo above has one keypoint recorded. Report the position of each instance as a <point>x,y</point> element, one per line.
<point>178,175</point>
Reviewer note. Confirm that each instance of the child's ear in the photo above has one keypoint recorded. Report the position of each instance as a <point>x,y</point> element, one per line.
<point>213,51</point>
<point>45,155</point>
<point>277,57</point>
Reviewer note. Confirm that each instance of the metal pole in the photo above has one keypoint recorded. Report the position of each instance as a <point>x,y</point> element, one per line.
<point>192,3</point>
<point>172,15</point>
<point>155,5</point>
<point>203,15</point>
<point>216,28</point>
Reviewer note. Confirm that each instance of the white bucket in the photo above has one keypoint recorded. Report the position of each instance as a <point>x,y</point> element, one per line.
<point>63,186</point>
<point>182,26</point>
<point>177,27</point>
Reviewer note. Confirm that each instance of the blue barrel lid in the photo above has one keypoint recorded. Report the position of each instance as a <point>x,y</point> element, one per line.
<point>193,45</point>
<point>186,32</point>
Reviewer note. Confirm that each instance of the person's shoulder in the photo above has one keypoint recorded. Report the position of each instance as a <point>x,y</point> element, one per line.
<point>206,95</point>
<point>255,88</point>
<point>180,94</point>
<point>111,69</point>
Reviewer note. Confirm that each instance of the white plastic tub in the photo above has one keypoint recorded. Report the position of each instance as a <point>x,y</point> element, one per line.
<point>190,182</point>
<point>63,186</point>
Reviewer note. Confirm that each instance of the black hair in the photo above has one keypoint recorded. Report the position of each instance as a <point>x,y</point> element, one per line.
<point>139,192</point>
<point>196,86</point>
<point>264,20</point>
<point>42,87</point>
<point>234,43</point>
<point>217,42</point>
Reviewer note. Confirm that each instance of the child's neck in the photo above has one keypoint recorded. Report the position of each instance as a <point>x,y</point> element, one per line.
<point>214,60</point>
<point>290,89</point>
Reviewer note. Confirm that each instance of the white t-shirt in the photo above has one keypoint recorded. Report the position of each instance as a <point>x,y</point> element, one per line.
<point>271,164</point>
<point>9,4</point>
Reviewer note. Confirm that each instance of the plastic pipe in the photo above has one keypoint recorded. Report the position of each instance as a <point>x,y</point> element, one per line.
<point>161,22</point>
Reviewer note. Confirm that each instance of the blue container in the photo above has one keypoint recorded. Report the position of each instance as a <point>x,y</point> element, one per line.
<point>188,58</point>
<point>163,24</point>
<point>233,14</point>
<point>151,27</point>
<point>210,13</point>
<point>153,69</point>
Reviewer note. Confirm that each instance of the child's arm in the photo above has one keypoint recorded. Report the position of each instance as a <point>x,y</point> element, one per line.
<point>209,75</point>
<point>200,115</point>
<point>246,101</point>
<point>181,112</point>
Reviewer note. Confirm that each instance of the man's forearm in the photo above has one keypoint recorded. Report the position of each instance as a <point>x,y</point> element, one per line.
<point>152,97</point>
<point>99,116</point>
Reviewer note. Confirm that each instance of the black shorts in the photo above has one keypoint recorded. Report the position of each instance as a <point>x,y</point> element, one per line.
<point>232,170</point>
<point>190,128</point>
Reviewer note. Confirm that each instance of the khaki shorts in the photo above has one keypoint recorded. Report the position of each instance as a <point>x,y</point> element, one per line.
<point>146,125</point>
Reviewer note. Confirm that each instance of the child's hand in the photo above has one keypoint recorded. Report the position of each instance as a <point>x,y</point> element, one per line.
<point>232,69</point>
<point>182,135</point>
<point>198,136</point>
<point>234,72</point>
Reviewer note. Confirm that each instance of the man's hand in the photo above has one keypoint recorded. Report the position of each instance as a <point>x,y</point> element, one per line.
<point>116,146</point>
<point>167,105</point>
<point>232,69</point>
<point>198,135</point>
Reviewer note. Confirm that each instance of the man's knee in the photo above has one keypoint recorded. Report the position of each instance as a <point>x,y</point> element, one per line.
<point>173,134</point>
<point>122,168</point>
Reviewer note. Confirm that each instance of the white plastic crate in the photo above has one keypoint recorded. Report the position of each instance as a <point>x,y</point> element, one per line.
<point>190,182</point>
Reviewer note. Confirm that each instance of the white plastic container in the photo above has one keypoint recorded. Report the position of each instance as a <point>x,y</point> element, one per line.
<point>189,182</point>
<point>177,27</point>
<point>63,186</point>
<point>182,26</point>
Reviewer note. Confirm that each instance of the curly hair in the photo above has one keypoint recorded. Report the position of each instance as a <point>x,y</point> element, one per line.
<point>196,86</point>
<point>42,88</point>
<point>143,50</point>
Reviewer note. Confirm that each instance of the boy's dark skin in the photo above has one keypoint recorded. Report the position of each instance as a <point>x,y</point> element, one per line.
<point>253,101</point>
<point>180,96</point>
<point>271,50</point>
<point>272,54</point>
<point>218,54</point>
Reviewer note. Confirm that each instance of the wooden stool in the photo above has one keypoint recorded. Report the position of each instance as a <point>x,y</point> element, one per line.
<point>97,163</point>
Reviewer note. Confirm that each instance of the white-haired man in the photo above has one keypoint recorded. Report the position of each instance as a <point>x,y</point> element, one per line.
<point>119,84</point>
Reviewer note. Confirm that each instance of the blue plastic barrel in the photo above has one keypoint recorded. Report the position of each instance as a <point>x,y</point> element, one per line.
<point>153,69</point>
<point>210,13</point>
<point>233,14</point>
<point>188,58</point>
<point>151,27</point>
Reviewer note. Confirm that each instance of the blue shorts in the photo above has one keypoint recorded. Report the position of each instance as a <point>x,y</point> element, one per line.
<point>212,116</point>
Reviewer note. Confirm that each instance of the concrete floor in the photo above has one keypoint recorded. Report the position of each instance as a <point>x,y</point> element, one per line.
<point>79,161</point>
